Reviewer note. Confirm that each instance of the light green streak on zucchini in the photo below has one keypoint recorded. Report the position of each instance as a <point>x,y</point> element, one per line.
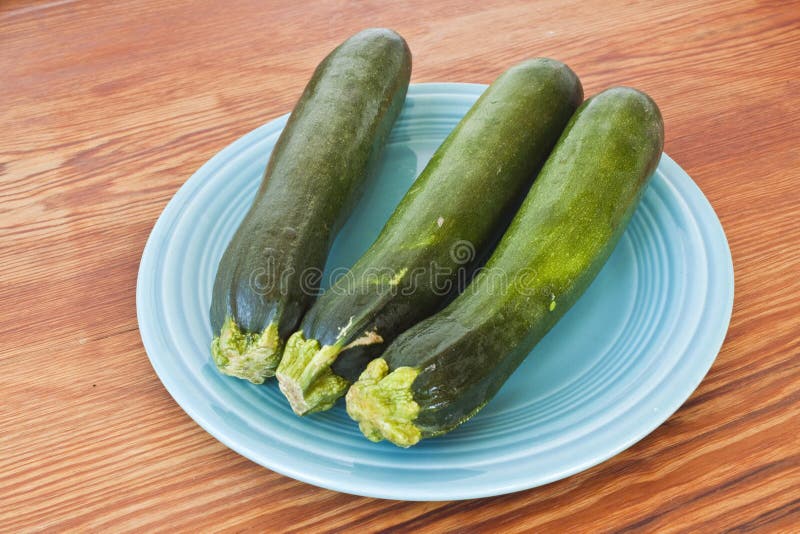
<point>305,376</point>
<point>383,405</point>
<point>250,356</point>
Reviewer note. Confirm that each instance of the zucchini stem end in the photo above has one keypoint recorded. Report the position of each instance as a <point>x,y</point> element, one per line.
<point>305,376</point>
<point>383,404</point>
<point>245,355</point>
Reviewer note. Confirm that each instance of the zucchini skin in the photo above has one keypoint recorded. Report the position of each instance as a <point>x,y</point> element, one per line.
<point>449,366</point>
<point>333,137</point>
<point>460,203</point>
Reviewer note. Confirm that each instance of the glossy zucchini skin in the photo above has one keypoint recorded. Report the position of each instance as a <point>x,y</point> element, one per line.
<point>457,208</point>
<point>333,137</point>
<point>442,371</point>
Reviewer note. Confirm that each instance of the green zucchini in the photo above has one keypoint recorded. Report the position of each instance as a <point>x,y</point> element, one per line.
<point>460,204</point>
<point>331,140</point>
<point>442,371</point>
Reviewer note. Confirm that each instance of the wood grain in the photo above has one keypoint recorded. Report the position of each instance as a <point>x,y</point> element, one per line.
<point>108,107</point>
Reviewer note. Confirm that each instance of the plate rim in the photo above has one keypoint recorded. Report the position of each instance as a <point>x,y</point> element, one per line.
<point>702,209</point>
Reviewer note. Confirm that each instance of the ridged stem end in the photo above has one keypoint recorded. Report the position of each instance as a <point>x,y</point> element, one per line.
<point>250,356</point>
<point>305,376</point>
<point>383,405</point>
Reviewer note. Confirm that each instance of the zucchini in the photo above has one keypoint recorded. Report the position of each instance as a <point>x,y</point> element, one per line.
<point>460,203</point>
<point>333,136</point>
<point>439,373</point>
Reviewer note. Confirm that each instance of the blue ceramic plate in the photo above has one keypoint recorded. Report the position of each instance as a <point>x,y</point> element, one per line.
<point>628,354</point>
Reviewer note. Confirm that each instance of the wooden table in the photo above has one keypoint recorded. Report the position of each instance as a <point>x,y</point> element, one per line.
<point>108,107</point>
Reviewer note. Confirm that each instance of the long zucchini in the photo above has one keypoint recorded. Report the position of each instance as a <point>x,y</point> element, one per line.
<point>442,371</point>
<point>334,135</point>
<point>460,204</point>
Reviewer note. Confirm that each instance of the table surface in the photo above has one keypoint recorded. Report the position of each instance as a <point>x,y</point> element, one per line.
<point>108,107</point>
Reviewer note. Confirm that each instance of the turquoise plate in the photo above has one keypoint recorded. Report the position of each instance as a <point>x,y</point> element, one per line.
<point>627,355</point>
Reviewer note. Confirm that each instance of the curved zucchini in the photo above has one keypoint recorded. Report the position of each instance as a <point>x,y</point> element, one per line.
<point>460,203</point>
<point>333,136</point>
<point>442,371</point>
